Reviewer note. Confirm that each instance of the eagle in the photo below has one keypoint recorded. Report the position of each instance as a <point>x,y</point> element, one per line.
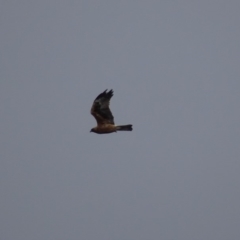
<point>103,115</point>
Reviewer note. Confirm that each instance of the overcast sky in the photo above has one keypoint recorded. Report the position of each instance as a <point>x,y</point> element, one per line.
<point>174,67</point>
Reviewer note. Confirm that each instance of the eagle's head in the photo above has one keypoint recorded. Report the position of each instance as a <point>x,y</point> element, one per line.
<point>92,130</point>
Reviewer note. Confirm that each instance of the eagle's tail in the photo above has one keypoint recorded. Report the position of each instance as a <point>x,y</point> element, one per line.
<point>125,127</point>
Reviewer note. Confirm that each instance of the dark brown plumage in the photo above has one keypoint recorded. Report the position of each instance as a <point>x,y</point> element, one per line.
<point>103,115</point>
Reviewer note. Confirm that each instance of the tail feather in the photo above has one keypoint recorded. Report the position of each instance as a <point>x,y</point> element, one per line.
<point>124,127</point>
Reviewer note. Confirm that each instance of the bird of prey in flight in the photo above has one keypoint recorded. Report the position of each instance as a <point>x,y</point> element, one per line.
<point>102,113</point>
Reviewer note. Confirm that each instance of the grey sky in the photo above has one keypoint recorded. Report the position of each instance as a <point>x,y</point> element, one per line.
<point>174,69</point>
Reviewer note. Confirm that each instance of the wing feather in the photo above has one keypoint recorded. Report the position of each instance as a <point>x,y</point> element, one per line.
<point>100,108</point>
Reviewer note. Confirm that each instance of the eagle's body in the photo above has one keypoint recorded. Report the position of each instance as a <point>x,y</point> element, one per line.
<point>103,115</point>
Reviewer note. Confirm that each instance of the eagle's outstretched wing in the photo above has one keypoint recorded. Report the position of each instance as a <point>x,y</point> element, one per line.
<point>100,108</point>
